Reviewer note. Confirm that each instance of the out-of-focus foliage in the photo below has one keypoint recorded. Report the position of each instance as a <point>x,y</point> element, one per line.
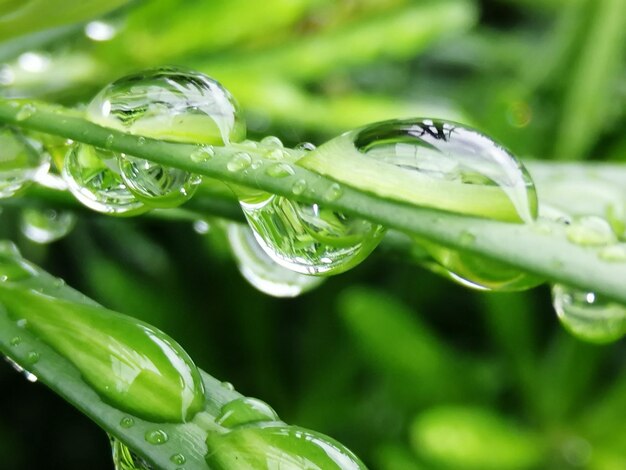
<point>408,370</point>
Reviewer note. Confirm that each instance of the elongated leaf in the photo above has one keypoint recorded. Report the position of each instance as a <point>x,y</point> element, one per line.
<point>543,251</point>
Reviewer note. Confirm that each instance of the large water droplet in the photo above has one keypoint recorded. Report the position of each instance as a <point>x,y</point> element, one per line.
<point>167,104</point>
<point>309,238</point>
<point>261,271</point>
<point>20,162</point>
<point>589,316</point>
<point>46,226</point>
<point>92,176</point>
<point>435,164</point>
<point>245,410</point>
<point>125,459</point>
<point>278,447</point>
<point>157,437</point>
<point>130,364</point>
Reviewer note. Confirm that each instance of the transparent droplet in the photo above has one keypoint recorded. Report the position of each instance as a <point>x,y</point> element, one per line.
<point>173,105</point>
<point>127,422</point>
<point>590,231</point>
<point>239,162</point>
<point>306,146</point>
<point>333,193</point>
<point>46,226</point>
<point>429,163</point>
<point>299,187</point>
<point>203,154</point>
<point>157,437</point>
<point>280,170</point>
<point>157,185</point>
<point>125,459</point>
<point>261,271</point>
<point>32,357</point>
<point>228,386</point>
<point>16,340</point>
<point>20,162</point>
<point>278,447</point>
<point>309,238</point>
<point>202,227</point>
<point>245,410</point>
<point>92,176</point>
<point>271,141</point>
<point>589,316</point>
<point>178,459</point>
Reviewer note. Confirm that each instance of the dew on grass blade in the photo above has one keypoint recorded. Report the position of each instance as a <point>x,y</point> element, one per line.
<point>92,176</point>
<point>278,446</point>
<point>46,226</point>
<point>261,271</point>
<point>20,162</point>
<point>156,437</point>
<point>167,104</point>
<point>131,365</point>
<point>245,410</point>
<point>590,231</point>
<point>589,316</point>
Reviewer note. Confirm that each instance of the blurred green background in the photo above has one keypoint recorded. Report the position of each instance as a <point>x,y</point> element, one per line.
<point>405,368</point>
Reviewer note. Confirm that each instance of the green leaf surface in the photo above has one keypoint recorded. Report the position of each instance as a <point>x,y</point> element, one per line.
<point>543,251</point>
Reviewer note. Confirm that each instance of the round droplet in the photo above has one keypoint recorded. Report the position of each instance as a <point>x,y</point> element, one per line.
<point>228,386</point>
<point>167,104</point>
<point>130,364</point>
<point>280,170</point>
<point>32,357</point>
<point>245,410</point>
<point>157,185</point>
<point>25,112</point>
<point>306,146</point>
<point>156,437</point>
<point>178,459</point>
<point>299,187</point>
<point>309,238</point>
<point>46,226</point>
<point>333,193</point>
<point>202,227</point>
<point>92,176</point>
<point>590,231</point>
<point>16,340</point>
<point>239,162</point>
<point>589,316</point>
<point>613,253</point>
<point>203,154</point>
<point>271,141</point>
<point>20,162</point>
<point>278,447</point>
<point>435,164</point>
<point>127,422</point>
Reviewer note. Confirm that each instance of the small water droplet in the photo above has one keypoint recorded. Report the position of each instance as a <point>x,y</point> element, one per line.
<point>239,162</point>
<point>467,238</point>
<point>25,112</point>
<point>333,193</point>
<point>46,226</point>
<point>108,142</point>
<point>22,323</point>
<point>203,154</point>
<point>156,437</point>
<point>228,386</point>
<point>299,187</point>
<point>275,154</point>
<point>178,459</point>
<point>613,253</point>
<point>127,422</point>
<point>141,140</point>
<point>33,357</point>
<point>272,141</point>
<point>16,340</point>
<point>280,170</point>
<point>306,146</point>
<point>590,231</point>
<point>202,227</point>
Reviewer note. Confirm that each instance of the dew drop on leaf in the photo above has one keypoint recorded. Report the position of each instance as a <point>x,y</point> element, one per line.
<point>156,437</point>
<point>46,226</point>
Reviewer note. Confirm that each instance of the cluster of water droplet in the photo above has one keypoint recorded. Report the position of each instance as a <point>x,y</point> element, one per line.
<point>166,104</point>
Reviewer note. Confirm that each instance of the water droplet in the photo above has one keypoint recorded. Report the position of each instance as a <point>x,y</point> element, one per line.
<point>131,365</point>
<point>590,231</point>
<point>46,226</point>
<point>275,154</point>
<point>20,162</point>
<point>333,193</point>
<point>435,164</point>
<point>141,140</point>
<point>178,459</point>
<point>309,238</point>
<point>245,410</point>
<point>239,162</point>
<point>127,422</point>
<point>202,154</point>
<point>173,105</point>
<point>261,271</point>
<point>156,437</point>
<point>32,357</point>
<point>202,227</point>
<point>109,141</point>
<point>22,323</point>
<point>92,176</point>
<point>228,386</point>
<point>306,146</point>
<point>16,340</point>
<point>467,238</point>
<point>589,316</point>
<point>25,112</point>
<point>278,447</point>
<point>157,185</point>
<point>271,141</point>
<point>299,187</point>
<point>613,253</point>
<point>280,170</point>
